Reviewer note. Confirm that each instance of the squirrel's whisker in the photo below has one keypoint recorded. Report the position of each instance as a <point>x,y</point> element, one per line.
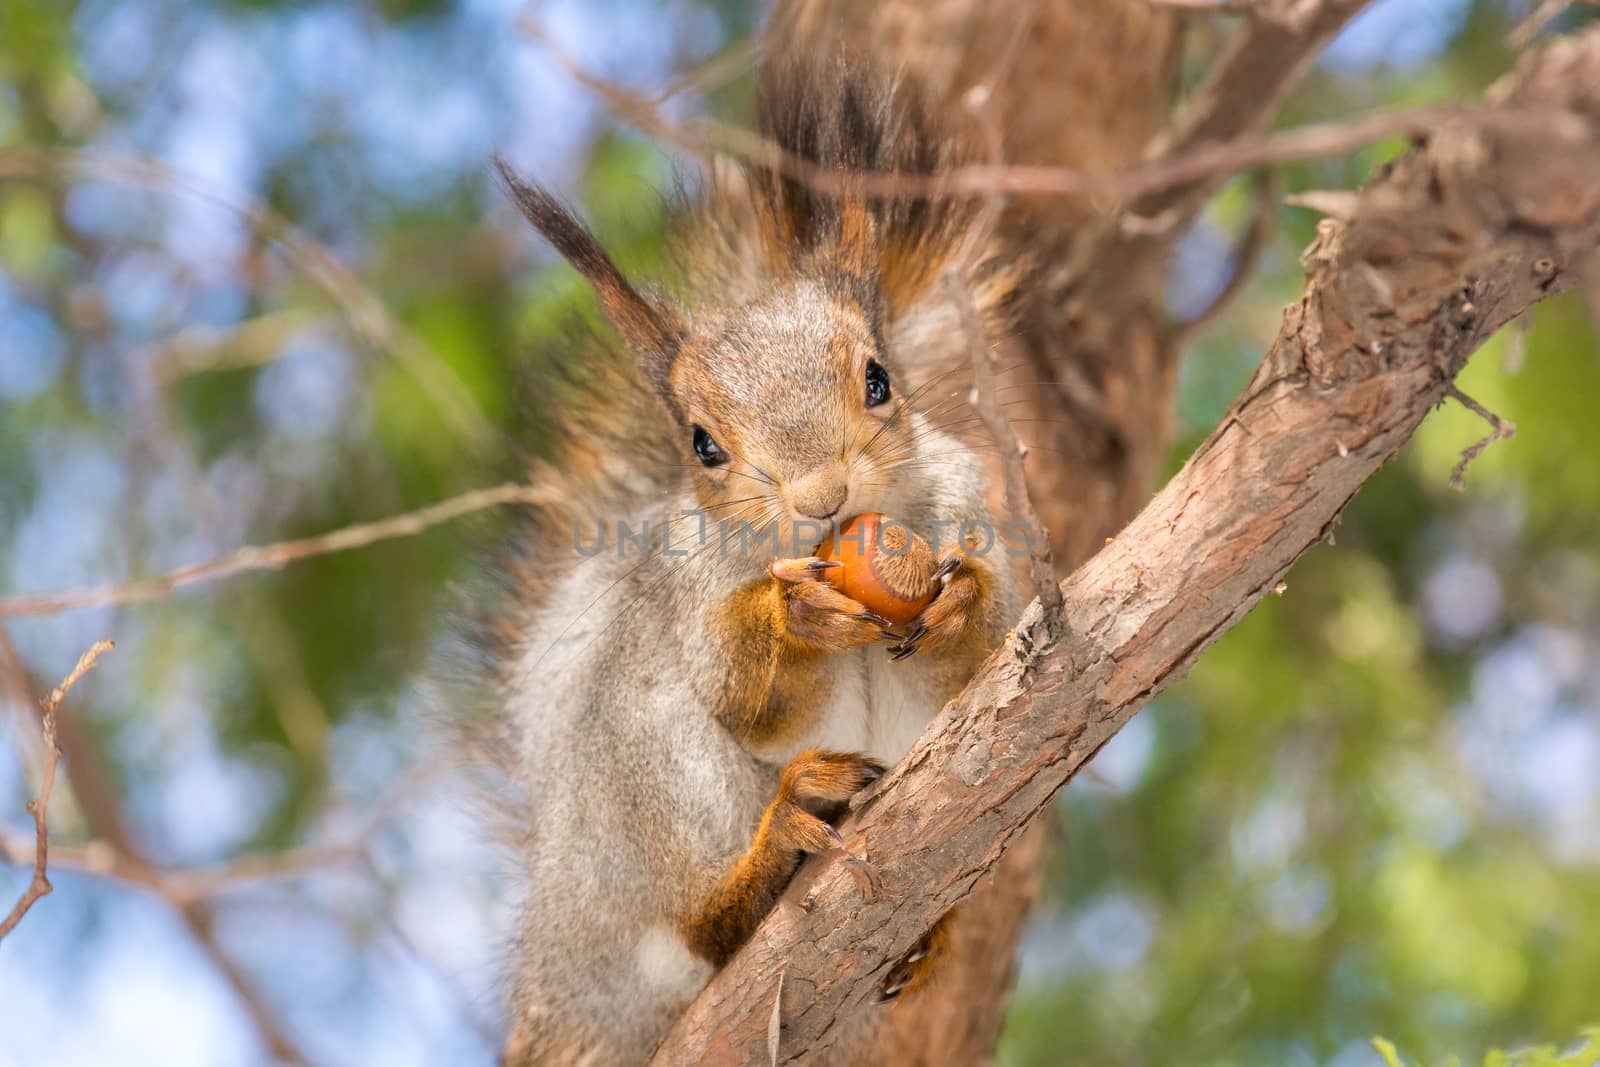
<point>726,470</point>
<point>904,405</point>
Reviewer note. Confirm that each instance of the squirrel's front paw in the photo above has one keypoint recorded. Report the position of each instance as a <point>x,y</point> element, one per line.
<point>952,611</point>
<point>818,614</point>
<point>812,793</point>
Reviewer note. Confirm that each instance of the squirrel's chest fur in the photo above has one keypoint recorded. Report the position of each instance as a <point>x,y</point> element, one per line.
<point>873,707</point>
<point>614,690</point>
<point>629,642</point>
<point>641,789</point>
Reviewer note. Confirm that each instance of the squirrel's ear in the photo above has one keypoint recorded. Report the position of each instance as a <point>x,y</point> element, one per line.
<point>653,332</point>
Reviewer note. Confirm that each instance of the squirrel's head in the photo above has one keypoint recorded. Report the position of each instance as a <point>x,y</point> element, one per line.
<point>790,404</point>
<point>787,408</point>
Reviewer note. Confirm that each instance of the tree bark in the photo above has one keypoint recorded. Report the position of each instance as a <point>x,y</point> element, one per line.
<point>1087,85</point>
<point>1090,86</point>
<point>1442,248</point>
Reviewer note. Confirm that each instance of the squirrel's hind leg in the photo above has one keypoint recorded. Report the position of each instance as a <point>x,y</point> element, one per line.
<point>916,967</point>
<point>812,791</point>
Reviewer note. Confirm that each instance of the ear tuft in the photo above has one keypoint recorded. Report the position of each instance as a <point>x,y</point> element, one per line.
<point>653,333</point>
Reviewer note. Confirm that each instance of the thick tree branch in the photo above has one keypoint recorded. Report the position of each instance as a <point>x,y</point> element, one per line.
<point>1449,243</point>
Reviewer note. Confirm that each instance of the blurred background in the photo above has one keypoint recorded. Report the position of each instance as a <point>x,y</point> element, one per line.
<point>256,283</point>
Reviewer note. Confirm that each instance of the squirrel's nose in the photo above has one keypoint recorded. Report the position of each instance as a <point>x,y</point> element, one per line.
<point>819,495</point>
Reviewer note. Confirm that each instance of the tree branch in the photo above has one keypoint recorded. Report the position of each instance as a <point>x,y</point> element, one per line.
<point>182,887</point>
<point>277,555</point>
<point>1244,260</point>
<point>1241,94</point>
<point>39,806</point>
<point>1214,138</point>
<point>98,801</point>
<point>1464,233</point>
<point>1499,430</point>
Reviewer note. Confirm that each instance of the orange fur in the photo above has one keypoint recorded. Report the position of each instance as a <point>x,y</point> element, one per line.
<point>812,790</point>
<point>777,633</point>
<point>755,400</point>
<point>920,966</point>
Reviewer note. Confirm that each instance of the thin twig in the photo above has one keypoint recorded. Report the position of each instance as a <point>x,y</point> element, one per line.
<point>277,555</point>
<point>1246,255</point>
<point>39,806</point>
<point>1502,430</point>
<point>707,137</point>
<point>186,886</point>
<point>1529,27</point>
<point>85,770</point>
<point>1012,453</point>
<point>715,72</point>
<point>1333,203</point>
<point>182,887</point>
<point>250,343</point>
<point>983,100</point>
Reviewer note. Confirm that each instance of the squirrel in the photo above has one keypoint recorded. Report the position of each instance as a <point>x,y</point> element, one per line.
<point>688,721</point>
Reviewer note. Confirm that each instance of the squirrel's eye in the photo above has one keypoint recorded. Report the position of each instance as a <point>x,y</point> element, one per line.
<point>709,451</point>
<point>877,384</point>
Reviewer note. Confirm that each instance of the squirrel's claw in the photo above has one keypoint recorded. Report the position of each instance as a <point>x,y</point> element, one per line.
<point>819,614</point>
<point>803,569</point>
<point>912,970</point>
<point>814,788</point>
<point>951,611</point>
<point>909,643</point>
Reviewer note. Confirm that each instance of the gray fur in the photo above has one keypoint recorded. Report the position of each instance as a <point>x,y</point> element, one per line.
<point>640,798</point>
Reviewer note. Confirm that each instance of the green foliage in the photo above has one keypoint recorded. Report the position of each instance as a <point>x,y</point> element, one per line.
<point>1367,811</point>
<point>1584,1052</point>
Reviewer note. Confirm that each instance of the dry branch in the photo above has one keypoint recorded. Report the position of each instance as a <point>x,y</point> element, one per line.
<point>1244,260</point>
<point>182,887</point>
<point>1499,430</point>
<point>1187,162</point>
<point>1529,27</point>
<point>38,807</point>
<point>97,799</point>
<point>985,400</point>
<point>277,555</point>
<point>1465,233</point>
<point>115,854</point>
